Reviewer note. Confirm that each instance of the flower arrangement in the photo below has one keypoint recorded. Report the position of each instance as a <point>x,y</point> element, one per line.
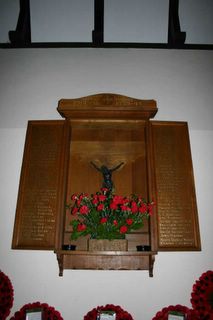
<point>104,215</point>
<point>6,296</point>
<point>49,313</point>
<point>189,313</point>
<point>120,313</point>
<point>202,296</point>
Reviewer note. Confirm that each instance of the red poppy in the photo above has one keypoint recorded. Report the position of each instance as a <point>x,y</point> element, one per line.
<point>74,197</point>
<point>83,195</point>
<point>143,208</point>
<point>134,207</point>
<point>150,208</point>
<point>102,197</point>
<point>100,207</point>
<point>123,229</point>
<point>74,210</point>
<point>95,200</point>
<point>78,202</point>
<point>113,206</point>
<point>129,222</point>
<point>81,227</point>
<point>125,208</point>
<point>84,209</point>
<point>117,199</point>
<point>103,220</point>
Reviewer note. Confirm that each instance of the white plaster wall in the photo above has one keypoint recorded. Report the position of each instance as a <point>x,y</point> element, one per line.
<point>31,83</point>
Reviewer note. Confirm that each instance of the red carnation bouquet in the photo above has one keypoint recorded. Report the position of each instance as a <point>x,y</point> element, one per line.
<point>104,215</point>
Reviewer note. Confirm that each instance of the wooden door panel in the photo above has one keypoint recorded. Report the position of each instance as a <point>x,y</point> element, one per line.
<point>176,200</point>
<point>41,186</point>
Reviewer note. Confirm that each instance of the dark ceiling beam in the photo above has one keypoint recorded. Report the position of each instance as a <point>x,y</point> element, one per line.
<point>107,45</point>
<point>176,37</point>
<point>98,32</point>
<point>22,34</point>
<point>21,37</point>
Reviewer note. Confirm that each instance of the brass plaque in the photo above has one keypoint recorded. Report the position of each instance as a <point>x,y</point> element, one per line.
<point>40,186</point>
<point>176,201</point>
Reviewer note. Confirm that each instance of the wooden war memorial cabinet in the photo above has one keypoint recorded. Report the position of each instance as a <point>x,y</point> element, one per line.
<point>106,129</point>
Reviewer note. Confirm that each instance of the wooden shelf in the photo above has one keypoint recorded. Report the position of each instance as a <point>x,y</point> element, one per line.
<point>106,260</point>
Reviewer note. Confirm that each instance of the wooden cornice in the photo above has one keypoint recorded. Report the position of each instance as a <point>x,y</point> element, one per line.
<point>105,106</point>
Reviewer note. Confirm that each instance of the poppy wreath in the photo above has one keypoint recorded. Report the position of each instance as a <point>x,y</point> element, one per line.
<point>120,313</point>
<point>49,313</point>
<point>6,296</point>
<point>163,314</point>
<point>202,296</point>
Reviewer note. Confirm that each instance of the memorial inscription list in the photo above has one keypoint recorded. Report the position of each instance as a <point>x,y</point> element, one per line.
<point>39,186</point>
<point>175,193</point>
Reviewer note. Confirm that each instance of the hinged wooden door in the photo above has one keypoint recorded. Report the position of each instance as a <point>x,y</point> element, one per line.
<point>41,195</point>
<point>177,218</point>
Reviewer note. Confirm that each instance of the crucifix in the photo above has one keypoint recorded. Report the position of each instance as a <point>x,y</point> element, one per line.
<point>107,174</point>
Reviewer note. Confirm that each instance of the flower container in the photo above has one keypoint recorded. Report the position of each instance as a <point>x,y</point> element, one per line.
<point>107,245</point>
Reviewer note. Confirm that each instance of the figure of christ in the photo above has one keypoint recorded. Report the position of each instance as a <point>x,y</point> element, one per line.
<point>107,175</point>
